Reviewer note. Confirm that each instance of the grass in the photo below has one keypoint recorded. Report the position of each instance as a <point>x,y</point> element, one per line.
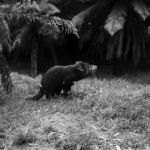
<point>99,114</point>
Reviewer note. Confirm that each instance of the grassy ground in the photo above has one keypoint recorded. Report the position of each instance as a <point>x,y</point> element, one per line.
<point>100,114</point>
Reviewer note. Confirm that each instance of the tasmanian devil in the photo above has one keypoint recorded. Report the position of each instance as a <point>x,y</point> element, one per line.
<point>60,78</point>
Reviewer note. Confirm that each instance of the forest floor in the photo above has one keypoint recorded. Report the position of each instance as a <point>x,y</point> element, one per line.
<point>103,113</point>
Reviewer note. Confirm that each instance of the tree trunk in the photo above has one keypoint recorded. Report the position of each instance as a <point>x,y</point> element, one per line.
<point>34,58</point>
<point>54,56</point>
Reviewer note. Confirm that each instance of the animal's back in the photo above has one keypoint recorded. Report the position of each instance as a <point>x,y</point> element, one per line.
<point>52,80</point>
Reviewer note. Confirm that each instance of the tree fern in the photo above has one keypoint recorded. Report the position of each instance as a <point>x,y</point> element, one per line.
<point>141,8</point>
<point>79,19</point>
<point>135,40</point>
<point>123,18</point>
<point>48,8</point>
<point>5,75</point>
<point>120,45</point>
<point>138,38</point>
<point>128,43</point>
<point>54,26</point>
<point>116,18</point>
<point>46,25</point>
<point>39,22</point>
<point>113,45</point>
<point>27,10</point>
<point>4,32</point>
<point>24,32</point>
<point>5,39</point>
<point>124,24</point>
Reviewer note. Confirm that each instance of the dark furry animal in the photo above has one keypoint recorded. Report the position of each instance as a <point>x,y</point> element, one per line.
<point>60,78</point>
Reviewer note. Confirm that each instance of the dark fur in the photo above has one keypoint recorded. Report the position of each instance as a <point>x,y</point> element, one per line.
<point>60,78</point>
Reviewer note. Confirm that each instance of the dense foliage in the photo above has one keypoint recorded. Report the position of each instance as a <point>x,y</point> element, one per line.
<point>32,23</point>
<point>108,30</point>
<point>117,28</point>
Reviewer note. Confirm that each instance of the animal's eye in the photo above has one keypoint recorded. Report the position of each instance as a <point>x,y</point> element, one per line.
<point>83,66</point>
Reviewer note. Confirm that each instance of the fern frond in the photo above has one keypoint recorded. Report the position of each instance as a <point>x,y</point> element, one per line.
<point>54,26</point>
<point>141,8</point>
<point>6,9</point>
<point>79,19</point>
<point>116,18</point>
<point>48,8</point>
<point>27,10</point>
<point>138,37</point>
<point>4,32</point>
<point>24,33</point>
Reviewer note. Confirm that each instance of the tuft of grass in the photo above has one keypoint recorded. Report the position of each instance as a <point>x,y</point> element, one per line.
<point>48,129</point>
<point>23,137</point>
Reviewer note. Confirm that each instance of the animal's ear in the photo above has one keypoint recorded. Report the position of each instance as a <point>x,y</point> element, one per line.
<point>77,62</point>
<point>80,68</point>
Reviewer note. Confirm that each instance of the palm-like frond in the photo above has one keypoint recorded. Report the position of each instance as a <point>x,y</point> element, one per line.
<point>116,18</point>
<point>23,34</point>
<point>141,8</point>
<point>130,40</point>
<point>136,32</point>
<point>48,8</point>
<point>30,10</point>
<point>45,24</point>
<point>138,37</point>
<point>27,10</point>
<point>5,8</point>
<point>127,30</point>
<point>4,32</point>
<point>53,26</point>
<point>79,19</point>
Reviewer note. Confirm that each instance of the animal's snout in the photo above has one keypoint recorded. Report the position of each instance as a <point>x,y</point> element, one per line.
<point>93,68</point>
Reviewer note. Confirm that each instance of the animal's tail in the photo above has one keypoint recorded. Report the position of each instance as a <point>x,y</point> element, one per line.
<point>37,96</point>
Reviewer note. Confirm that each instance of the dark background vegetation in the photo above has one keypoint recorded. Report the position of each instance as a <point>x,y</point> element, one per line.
<point>110,33</point>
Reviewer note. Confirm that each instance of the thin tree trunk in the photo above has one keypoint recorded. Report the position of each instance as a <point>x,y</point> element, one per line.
<point>34,58</point>
<point>54,56</point>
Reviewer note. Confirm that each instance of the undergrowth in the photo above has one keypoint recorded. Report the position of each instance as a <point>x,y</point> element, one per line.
<point>98,114</point>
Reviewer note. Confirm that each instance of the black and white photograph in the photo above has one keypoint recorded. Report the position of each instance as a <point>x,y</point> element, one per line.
<point>74,74</point>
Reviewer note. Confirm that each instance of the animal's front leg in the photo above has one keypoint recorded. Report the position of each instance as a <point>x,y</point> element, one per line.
<point>59,89</point>
<point>67,87</point>
<point>48,95</point>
